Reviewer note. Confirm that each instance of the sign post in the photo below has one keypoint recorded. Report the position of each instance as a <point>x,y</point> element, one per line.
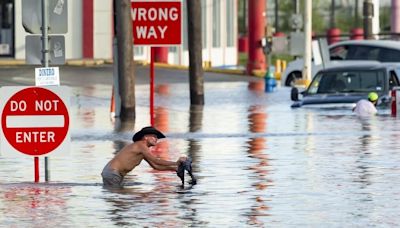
<point>156,23</point>
<point>45,17</point>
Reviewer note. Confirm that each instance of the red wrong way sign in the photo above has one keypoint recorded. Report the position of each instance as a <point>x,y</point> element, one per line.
<point>156,22</point>
<point>34,120</point>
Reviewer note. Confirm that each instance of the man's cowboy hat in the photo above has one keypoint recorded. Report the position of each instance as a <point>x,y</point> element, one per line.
<point>147,131</point>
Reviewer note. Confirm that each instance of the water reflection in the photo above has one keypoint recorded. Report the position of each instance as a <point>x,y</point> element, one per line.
<point>256,149</point>
<point>365,152</point>
<point>34,204</point>
<point>195,125</point>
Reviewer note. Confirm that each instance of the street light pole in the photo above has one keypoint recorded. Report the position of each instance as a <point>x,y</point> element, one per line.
<point>307,42</point>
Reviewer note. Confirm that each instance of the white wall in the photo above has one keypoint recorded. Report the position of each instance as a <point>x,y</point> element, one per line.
<point>103,29</point>
<point>73,38</point>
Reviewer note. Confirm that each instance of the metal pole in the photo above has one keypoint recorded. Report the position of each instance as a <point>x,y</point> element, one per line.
<point>297,10</point>
<point>307,43</point>
<point>152,86</point>
<point>45,62</point>
<point>45,36</point>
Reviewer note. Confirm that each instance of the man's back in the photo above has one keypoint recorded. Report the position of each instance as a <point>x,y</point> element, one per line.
<point>365,108</point>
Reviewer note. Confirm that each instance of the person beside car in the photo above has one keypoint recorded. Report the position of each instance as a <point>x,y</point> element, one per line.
<point>367,107</point>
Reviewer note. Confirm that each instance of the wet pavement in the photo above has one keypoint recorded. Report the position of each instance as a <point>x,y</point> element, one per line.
<point>258,162</point>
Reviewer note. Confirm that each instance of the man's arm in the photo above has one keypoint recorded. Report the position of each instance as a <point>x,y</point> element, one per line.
<point>158,163</point>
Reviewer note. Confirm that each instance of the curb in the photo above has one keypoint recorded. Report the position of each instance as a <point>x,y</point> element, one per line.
<point>98,62</point>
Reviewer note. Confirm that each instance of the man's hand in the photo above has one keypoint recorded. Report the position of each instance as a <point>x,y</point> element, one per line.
<point>181,159</point>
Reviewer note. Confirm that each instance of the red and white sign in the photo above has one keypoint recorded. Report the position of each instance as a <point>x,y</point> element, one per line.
<point>34,120</point>
<point>156,22</point>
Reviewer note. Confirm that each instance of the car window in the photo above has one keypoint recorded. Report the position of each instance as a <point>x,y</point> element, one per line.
<point>389,55</point>
<point>348,81</point>
<point>393,80</point>
<point>363,53</point>
<point>339,52</point>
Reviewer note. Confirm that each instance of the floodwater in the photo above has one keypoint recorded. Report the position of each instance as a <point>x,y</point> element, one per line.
<point>258,163</point>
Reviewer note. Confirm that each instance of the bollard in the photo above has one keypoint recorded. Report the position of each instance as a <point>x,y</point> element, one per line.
<point>270,82</point>
<point>278,69</point>
<point>284,64</point>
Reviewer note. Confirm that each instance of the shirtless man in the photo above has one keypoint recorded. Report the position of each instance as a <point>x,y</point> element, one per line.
<point>131,155</point>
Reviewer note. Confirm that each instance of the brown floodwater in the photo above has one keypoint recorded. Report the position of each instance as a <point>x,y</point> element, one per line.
<point>258,163</point>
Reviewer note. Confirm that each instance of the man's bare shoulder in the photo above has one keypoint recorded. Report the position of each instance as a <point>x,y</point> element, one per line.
<point>136,147</point>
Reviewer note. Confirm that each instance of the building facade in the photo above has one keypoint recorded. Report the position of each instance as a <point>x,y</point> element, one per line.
<point>91,31</point>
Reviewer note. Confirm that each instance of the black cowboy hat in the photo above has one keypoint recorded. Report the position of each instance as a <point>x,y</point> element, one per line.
<point>147,131</point>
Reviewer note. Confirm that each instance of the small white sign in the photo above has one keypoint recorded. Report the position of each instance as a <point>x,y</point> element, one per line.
<point>47,76</point>
<point>4,49</point>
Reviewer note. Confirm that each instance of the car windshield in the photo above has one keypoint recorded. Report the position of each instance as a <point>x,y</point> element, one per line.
<point>348,81</point>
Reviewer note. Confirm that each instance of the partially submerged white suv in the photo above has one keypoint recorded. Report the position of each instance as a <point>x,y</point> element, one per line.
<point>378,50</point>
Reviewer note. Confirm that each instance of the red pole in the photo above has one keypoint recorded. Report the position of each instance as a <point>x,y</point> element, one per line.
<point>152,86</point>
<point>161,54</point>
<point>394,105</point>
<point>256,60</point>
<point>36,161</point>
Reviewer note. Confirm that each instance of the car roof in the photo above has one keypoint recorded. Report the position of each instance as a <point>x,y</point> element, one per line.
<point>360,65</point>
<point>377,43</point>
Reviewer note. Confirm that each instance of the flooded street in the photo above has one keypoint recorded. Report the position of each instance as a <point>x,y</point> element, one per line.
<point>258,162</point>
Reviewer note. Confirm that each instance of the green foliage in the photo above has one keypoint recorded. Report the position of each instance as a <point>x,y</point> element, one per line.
<point>384,19</point>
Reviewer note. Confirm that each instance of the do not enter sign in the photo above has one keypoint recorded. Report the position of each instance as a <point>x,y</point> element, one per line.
<point>34,120</point>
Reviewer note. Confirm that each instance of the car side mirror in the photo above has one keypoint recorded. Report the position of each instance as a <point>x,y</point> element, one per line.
<point>294,94</point>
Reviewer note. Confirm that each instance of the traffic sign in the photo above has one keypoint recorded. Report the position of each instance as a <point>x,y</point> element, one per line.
<point>34,120</point>
<point>57,18</point>
<point>156,22</point>
<point>33,52</point>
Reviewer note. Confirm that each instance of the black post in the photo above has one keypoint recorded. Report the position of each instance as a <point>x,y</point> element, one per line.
<point>126,77</point>
<point>195,53</point>
<point>276,16</point>
<point>332,24</point>
<point>356,15</point>
<point>368,13</point>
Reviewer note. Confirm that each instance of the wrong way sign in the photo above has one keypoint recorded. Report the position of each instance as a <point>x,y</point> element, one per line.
<point>156,22</point>
<point>34,120</point>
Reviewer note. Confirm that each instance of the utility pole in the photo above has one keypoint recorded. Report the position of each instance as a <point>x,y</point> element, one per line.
<point>195,52</point>
<point>297,12</point>
<point>332,23</point>
<point>368,13</point>
<point>126,77</point>
<point>356,16</point>
<point>307,42</point>
<point>276,18</point>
